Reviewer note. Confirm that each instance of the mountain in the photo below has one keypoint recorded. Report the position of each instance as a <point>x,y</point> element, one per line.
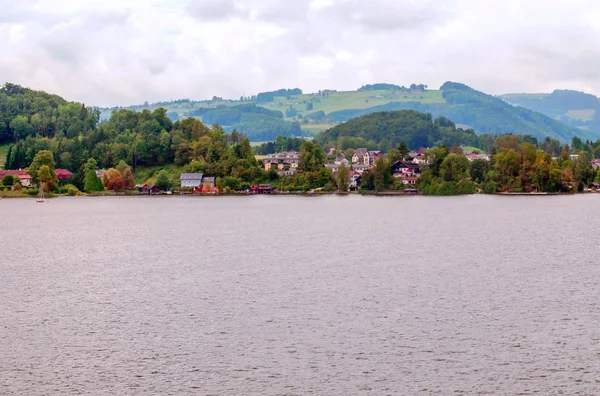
<point>324,109</point>
<point>573,108</point>
<point>482,112</point>
<point>414,128</point>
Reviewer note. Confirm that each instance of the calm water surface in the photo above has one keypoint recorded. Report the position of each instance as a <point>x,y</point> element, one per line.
<point>469,295</point>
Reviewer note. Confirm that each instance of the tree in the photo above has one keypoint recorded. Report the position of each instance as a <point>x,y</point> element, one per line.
<point>349,154</point>
<point>43,157</point>
<point>455,167</point>
<point>44,178</point>
<point>479,167</point>
<point>128,181</point>
<point>91,181</point>
<point>403,149</point>
<point>113,180</point>
<point>163,182</point>
<point>342,178</point>
<point>382,174</point>
<point>311,157</point>
<point>8,180</point>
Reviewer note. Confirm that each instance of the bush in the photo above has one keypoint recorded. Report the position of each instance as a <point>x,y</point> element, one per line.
<point>465,187</point>
<point>8,180</point>
<point>33,191</point>
<point>71,190</point>
<point>17,187</point>
<point>233,183</point>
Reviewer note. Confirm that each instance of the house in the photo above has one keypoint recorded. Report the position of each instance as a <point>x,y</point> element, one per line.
<point>472,156</point>
<point>373,155</point>
<point>360,168</point>
<point>359,155</point>
<point>63,174</point>
<point>284,162</point>
<point>145,189</point>
<point>595,163</point>
<point>154,191</point>
<point>100,173</point>
<point>208,186</point>
<point>405,169</point>
<point>191,179</point>
<point>24,177</point>
<point>409,180</point>
<point>262,189</point>
<point>354,182</point>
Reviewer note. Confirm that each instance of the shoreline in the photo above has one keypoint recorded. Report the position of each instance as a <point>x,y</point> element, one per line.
<point>301,194</point>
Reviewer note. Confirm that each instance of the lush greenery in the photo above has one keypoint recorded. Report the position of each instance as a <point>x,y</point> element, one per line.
<point>515,166</point>
<point>281,143</point>
<point>388,129</point>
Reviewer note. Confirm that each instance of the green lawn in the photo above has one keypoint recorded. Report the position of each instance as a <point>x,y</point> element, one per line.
<point>471,148</point>
<point>350,100</point>
<point>3,152</point>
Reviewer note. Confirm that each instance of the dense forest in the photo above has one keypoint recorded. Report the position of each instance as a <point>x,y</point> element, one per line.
<point>388,129</point>
<point>264,97</point>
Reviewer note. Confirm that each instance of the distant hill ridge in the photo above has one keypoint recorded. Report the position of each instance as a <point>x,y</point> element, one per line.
<point>316,112</point>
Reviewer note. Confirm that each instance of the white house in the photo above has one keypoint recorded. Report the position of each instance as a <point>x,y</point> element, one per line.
<point>191,179</point>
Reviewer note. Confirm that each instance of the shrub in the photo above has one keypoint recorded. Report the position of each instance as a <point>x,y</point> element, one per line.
<point>71,190</point>
<point>33,191</point>
<point>17,186</point>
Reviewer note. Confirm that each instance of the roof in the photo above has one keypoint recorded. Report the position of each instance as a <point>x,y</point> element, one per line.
<point>63,173</point>
<point>191,176</point>
<point>20,173</point>
<point>404,164</point>
<point>361,152</point>
<point>210,179</point>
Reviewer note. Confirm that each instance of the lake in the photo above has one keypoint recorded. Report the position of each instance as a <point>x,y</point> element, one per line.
<point>300,295</point>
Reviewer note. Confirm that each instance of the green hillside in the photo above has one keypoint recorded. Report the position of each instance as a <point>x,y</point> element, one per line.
<point>573,108</point>
<point>294,113</point>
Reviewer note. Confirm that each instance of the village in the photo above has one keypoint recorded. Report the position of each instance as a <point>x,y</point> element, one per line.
<point>285,163</point>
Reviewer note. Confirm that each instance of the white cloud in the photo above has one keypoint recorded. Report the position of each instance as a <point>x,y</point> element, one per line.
<point>118,52</point>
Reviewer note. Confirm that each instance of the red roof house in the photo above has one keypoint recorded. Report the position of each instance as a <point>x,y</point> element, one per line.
<point>62,174</point>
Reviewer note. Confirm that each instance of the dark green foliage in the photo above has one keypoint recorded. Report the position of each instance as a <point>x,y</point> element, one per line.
<point>8,180</point>
<point>317,115</point>
<point>415,129</point>
<point>382,87</point>
<point>291,112</point>
<point>281,143</point>
<point>163,182</point>
<point>24,112</point>
<point>265,97</point>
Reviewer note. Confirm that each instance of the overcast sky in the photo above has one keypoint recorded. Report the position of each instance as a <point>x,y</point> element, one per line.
<point>121,52</point>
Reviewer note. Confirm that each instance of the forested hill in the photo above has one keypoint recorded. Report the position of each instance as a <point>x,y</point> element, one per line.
<point>393,127</point>
<point>574,108</point>
<point>25,112</point>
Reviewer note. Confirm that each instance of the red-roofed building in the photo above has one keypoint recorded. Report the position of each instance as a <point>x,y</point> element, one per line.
<point>62,174</point>
<point>24,177</point>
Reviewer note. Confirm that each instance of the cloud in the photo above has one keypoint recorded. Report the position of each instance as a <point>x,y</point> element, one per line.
<point>119,52</point>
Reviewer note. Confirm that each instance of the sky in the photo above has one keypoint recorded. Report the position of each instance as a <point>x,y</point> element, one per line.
<point>124,52</point>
